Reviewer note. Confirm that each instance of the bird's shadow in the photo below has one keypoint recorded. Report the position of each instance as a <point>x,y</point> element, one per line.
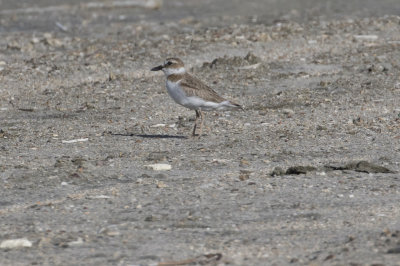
<point>149,136</point>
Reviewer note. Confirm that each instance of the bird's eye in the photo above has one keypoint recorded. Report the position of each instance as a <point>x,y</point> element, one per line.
<point>169,63</point>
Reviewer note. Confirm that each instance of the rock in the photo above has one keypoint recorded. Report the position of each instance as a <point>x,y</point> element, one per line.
<point>161,184</point>
<point>111,76</point>
<point>264,37</point>
<point>16,243</point>
<point>14,45</point>
<point>157,156</point>
<point>288,112</point>
<point>35,40</point>
<point>244,175</point>
<point>159,167</point>
<point>297,170</point>
<point>243,163</point>
<point>395,250</point>
<point>3,134</point>
<point>278,171</point>
<point>151,218</point>
<point>111,230</point>
<point>51,41</point>
<point>367,167</point>
<point>235,61</point>
<point>252,59</point>
<point>360,166</point>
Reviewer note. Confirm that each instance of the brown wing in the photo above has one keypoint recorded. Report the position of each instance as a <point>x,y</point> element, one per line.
<point>195,87</point>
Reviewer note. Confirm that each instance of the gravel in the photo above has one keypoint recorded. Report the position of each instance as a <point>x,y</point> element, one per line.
<point>306,174</point>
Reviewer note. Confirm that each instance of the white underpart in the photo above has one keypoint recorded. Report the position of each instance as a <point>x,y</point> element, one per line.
<point>193,102</point>
<point>169,71</point>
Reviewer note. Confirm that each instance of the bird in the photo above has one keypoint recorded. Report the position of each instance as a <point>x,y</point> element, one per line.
<point>190,92</point>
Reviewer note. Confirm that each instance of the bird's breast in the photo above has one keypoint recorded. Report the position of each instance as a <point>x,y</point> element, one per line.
<point>176,92</point>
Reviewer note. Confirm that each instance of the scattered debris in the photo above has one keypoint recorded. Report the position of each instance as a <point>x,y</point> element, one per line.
<point>250,61</point>
<point>14,45</point>
<point>51,41</point>
<point>250,66</point>
<point>3,134</point>
<point>77,242</point>
<point>244,162</point>
<point>244,175</point>
<point>111,230</point>
<point>199,260</point>
<point>366,37</point>
<point>151,218</point>
<point>151,4</point>
<point>2,65</point>
<point>159,125</point>
<point>288,112</point>
<point>99,197</point>
<point>161,184</point>
<point>75,140</point>
<point>61,27</point>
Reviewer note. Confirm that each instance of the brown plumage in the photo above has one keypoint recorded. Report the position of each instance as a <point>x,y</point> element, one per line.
<point>195,87</point>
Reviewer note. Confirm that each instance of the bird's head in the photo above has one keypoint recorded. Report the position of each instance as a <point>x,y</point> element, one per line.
<point>171,66</point>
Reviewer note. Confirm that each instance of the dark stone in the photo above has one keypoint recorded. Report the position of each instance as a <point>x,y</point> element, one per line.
<point>297,170</point>
<point>360,166</point>
<point>395,250</point>
<point>367,167</point>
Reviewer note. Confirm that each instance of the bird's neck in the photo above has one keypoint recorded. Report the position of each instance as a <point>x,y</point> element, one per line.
<point>175,77</point>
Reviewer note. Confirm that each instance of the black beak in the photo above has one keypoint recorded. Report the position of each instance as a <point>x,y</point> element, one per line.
<point>157,68</point>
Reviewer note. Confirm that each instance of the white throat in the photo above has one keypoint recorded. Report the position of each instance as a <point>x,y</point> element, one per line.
<point>170,71</point>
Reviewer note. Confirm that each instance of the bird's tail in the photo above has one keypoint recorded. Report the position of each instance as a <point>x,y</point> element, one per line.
<point>231,105</point>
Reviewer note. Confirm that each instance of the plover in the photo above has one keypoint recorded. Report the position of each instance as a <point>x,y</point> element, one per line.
<point>191,92</point>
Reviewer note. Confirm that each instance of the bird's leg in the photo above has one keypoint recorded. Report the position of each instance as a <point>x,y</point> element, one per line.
<point>201,122</point>
<point>198,114</point>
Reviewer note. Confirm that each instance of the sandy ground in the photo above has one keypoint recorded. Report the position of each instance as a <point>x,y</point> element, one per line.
<point>307,174</point>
